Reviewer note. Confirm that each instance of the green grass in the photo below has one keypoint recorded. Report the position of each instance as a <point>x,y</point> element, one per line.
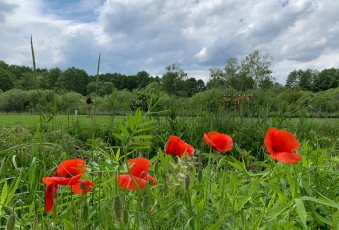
<point>59,120</point>
<point>242,189</point>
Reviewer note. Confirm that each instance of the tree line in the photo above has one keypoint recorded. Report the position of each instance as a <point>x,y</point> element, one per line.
<point>77,80</point>
<point>22,90</point>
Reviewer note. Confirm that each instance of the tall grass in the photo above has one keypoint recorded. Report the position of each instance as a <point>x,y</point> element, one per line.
<point>243,189</point>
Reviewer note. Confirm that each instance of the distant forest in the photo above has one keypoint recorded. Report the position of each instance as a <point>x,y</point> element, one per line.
<point>22,89</point>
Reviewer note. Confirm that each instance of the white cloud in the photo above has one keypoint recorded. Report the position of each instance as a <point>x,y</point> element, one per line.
<point>152,34</point>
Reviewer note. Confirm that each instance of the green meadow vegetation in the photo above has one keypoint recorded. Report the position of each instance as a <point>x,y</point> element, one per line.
<point>244,188</point>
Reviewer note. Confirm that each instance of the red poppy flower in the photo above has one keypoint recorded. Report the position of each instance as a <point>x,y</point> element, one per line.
<point>139,171</point>
<point>82,187</point>
<point>219,141</point>
<point>178,147</point>
<point>68,173</point>
<point>69,168</point>
<point>282,145</point>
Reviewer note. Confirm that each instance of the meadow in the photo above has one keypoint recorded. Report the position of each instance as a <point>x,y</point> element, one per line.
<point>243,188</point>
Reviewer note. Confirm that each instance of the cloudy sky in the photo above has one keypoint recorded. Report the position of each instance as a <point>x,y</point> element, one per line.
<point>135,35</point>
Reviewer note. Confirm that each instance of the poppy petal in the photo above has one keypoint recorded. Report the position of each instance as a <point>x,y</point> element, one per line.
<point>86,185</point>
<point>286,157</point>
<point>152,179</point>
<point>69,168</point>
<point>139,166</point>
<point>219,141</point>
<point>126,182</point>
<point>61,180</point>
<point>51,190</point>
<point>176,146</point>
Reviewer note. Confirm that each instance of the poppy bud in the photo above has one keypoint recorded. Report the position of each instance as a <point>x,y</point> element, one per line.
<point>145,203</point>
<point>8,210</point>
<point>200,175</point>
<point>187,182</point>
<point>11,222</point>
<point>117,207</point>
<point>125,216</point>
<point>82,185</point>
<point>37,204</point>
<point>85,211</point>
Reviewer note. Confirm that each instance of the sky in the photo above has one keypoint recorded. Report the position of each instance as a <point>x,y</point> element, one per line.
<point>148,35</point>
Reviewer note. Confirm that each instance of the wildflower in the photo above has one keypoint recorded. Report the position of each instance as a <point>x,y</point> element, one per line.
<point>139,171</point>
<point>68,173</point>
<point>219,141</point>
<point>178,147</point>
<point>282,145</point>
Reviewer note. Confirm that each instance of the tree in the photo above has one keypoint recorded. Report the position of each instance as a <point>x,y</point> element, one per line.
<point>13,100</point>
<point>192,86</point>
<point>304,79</point>
<point>250,73</point>
<point>101,88</point>
<point>172,80</point>
<point>142,79</point>
<point>52,77</point>
<point>256,66</point>
<point>71,100</point>
<point>6,80</point>
<point>26,81</point>
<point>73,79</point>
<point>326,79</point>
<point>217,78</point>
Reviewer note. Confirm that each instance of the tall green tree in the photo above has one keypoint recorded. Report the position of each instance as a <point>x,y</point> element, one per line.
<point>257,67</point>
<point>326,79</point>
<point>6,80</point>
<point>248,74</point>
<point>52,77</point>
<point>304,79</point>
<point>217,78</point>
<point>26,81</point>
<point>73,79</point>
<point>172,80</point>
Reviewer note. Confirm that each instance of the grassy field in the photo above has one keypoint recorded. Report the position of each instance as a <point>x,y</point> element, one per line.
<point>242,189</point>
<point>58,121</point>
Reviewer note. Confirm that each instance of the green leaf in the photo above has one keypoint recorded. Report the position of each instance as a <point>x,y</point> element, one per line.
<point>68,224</point>
<point>258,220</point>
<point>123,129</point>
<point>121,138</point>
<point>335,220</point>
<point>320,219</point>
<point>276,211</point>
<point>137,116</point>
<point>4,193</point>
<point>12,190</point>
<point>130,123</point>
<point>146,123</point>
<point>327,202</point>
<point>301,211</point>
